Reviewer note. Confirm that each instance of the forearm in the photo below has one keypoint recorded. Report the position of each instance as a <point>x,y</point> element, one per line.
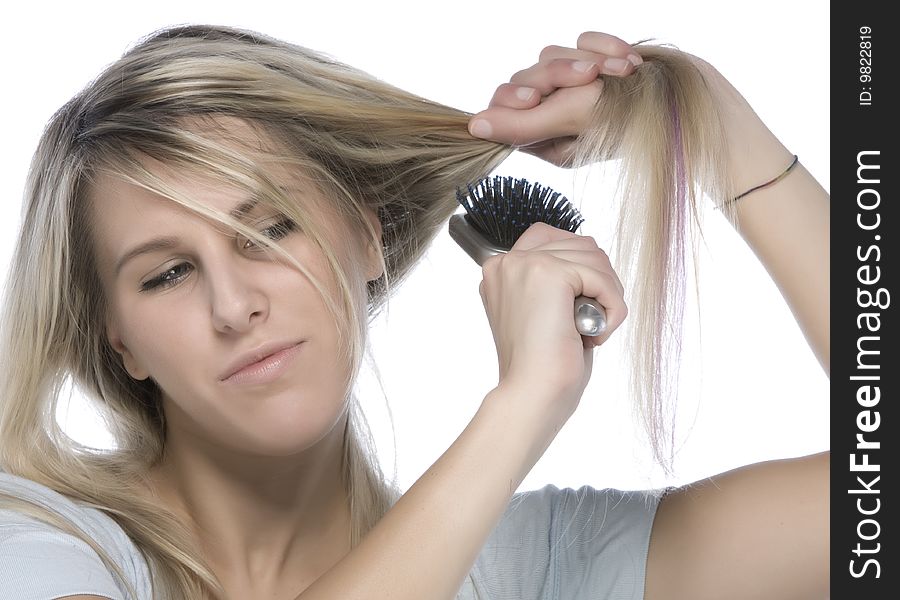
<point>786,224</point>
<point>427,543</point>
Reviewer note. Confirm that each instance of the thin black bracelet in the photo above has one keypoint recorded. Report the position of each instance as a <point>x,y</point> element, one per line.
<point>762,185</point>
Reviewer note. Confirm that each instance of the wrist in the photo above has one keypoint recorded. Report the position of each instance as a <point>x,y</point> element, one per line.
<point>527,419</point>
<point>755,154</point>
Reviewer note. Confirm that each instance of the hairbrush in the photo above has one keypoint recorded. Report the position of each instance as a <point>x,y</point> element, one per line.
<point>499,210</point>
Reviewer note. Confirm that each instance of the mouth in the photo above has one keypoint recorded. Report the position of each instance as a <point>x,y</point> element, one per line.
<point>263,365</point>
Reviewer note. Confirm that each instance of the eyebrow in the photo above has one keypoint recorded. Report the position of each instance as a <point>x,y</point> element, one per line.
<point>169,242</point>
<point>242,209</point>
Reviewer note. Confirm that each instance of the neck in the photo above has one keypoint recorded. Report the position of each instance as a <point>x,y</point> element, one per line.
<point>264,523</point>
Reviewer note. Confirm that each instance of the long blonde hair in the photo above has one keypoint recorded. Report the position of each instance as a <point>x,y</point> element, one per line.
<point>365,144</point>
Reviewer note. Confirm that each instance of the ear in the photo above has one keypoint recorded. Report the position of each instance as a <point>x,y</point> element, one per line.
<point>374,252</point>
<point>131,364</point>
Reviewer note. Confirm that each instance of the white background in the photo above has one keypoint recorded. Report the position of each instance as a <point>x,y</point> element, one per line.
<point>755,392</point>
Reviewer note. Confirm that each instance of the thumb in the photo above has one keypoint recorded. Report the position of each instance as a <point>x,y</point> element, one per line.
<point>539,234</point>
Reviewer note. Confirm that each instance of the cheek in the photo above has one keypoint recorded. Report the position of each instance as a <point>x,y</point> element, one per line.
<point>163,341</point>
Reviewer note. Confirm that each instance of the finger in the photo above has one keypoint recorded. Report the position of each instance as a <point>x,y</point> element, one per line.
<point>595,258</point>
<point>609,64</point>
<point>578,249</point>
<point>562,114</point>
<point>538,234</point>
<point>577,242</point>
<point>604,43</point>
<point>511,95</point>
<point>601,286</point>
<point>553,52</point>
<point>559,73</point>
<point>581,277</point>
<point>583,249</point>
<point>615,275</point>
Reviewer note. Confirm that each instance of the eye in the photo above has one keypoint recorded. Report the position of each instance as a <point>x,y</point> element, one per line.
<point>167,278</point>
<point>274,232</point>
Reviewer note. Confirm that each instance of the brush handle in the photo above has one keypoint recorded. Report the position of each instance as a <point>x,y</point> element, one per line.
<point>590,317</point>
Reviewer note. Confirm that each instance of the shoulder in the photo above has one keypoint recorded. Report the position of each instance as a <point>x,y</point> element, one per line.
<point>562,543</point>
<point>41,559</point>
<point>766,523</point>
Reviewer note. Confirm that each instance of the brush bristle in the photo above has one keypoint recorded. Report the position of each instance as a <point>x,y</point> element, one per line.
<point>502,208</point>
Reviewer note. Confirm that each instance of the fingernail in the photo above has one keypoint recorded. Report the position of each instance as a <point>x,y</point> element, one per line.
<point>635,59</point>
<point>616,65</point>
<point>525,93</point>
<point>582,66</point>
<point>481,128</point>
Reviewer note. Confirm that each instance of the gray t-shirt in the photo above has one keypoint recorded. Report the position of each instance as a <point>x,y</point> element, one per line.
<point>553,544</point>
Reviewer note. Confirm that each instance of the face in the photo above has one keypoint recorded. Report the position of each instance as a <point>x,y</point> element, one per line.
<point>240,342</point>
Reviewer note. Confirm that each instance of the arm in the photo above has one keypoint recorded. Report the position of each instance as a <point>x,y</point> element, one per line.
<point>758,532</point>
<point>787,224</point>
<point>761,531</point>
<point>426,544</point>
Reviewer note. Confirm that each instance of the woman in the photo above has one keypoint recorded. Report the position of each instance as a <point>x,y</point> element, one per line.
<point>224,212</point>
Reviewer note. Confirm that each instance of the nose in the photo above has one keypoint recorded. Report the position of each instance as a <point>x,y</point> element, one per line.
<point>237,302</point>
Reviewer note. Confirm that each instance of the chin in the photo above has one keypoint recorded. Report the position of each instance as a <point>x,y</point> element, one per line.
<point>290,435</point>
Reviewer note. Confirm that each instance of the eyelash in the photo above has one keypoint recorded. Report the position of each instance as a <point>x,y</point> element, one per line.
<point>173,275</point>
<point>275,232</point>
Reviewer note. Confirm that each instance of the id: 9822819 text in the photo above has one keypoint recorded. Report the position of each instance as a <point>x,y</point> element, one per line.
<point>865,65</point>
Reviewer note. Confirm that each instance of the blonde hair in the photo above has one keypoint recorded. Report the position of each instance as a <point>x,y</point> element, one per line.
<point>365,145</point>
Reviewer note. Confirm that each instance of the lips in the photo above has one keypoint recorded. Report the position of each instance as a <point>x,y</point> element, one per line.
<point>260,362</point>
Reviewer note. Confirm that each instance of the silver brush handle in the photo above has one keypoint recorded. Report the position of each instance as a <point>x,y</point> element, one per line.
<point>590,317</point>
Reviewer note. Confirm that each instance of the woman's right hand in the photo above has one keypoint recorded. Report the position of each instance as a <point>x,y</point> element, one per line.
<point>528,295</point>
<point>432,536</point>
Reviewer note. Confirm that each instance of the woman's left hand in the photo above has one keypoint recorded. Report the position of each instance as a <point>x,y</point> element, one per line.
<point>545,107</point>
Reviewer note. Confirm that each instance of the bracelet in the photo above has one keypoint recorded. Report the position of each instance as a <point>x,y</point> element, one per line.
<point>784,173</point>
